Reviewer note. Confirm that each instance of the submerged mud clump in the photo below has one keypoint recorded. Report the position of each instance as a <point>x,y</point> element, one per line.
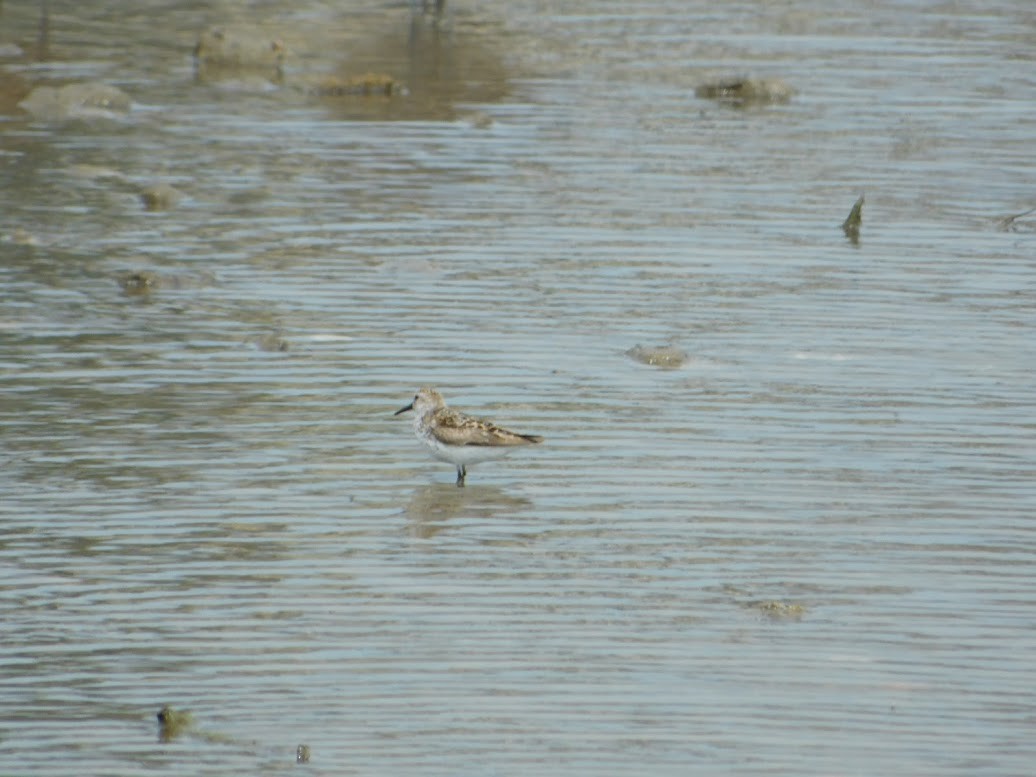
<point>745,91</point>
<point>238,53</point>
<point>238,47</point>
<point>138,283</point>
<point>667,357</point>
<point>366,85</point>
<point>245,54</point>
<point>87,100</point>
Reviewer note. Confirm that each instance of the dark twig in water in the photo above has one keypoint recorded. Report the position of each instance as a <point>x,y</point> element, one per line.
<point>851,226</point>
<point>43,34</point>
<point>1005,224</point>
<point>434,7</point>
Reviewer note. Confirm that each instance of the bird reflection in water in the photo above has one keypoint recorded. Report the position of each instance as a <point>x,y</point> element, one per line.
<point>434,505</point>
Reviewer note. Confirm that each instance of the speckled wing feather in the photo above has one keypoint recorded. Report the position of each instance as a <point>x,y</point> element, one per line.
<point>453,428</point>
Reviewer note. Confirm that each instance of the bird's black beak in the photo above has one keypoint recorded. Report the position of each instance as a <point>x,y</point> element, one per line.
<point>404,409</point>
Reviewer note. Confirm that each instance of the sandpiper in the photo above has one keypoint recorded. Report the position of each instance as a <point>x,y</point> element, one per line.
<point>459,438</point>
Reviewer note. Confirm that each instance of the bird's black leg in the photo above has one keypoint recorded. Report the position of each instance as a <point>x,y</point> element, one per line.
<point>461,474</point>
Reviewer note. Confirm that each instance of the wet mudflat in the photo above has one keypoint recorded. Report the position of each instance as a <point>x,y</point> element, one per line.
<point>783,518</point>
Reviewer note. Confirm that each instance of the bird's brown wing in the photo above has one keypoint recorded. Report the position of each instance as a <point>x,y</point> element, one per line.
<point>453,428</point>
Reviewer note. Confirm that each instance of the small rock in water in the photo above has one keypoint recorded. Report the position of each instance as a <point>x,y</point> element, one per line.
<point>172,723</point>
<point>143,282</point>
<point>20,237</point>
<point>302,754</point>
<point>667,357</point>
<point>138,283</point>
<point>742,91</point>
<point>478,119</point>
<point>160,197</point>
<point>778,610</point>
<point>268,342</point>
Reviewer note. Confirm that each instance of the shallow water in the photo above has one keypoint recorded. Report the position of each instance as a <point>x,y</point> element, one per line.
<point>193,516</point>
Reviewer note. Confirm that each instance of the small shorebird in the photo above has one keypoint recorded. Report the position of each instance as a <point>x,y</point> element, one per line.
<point>459,438</point>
